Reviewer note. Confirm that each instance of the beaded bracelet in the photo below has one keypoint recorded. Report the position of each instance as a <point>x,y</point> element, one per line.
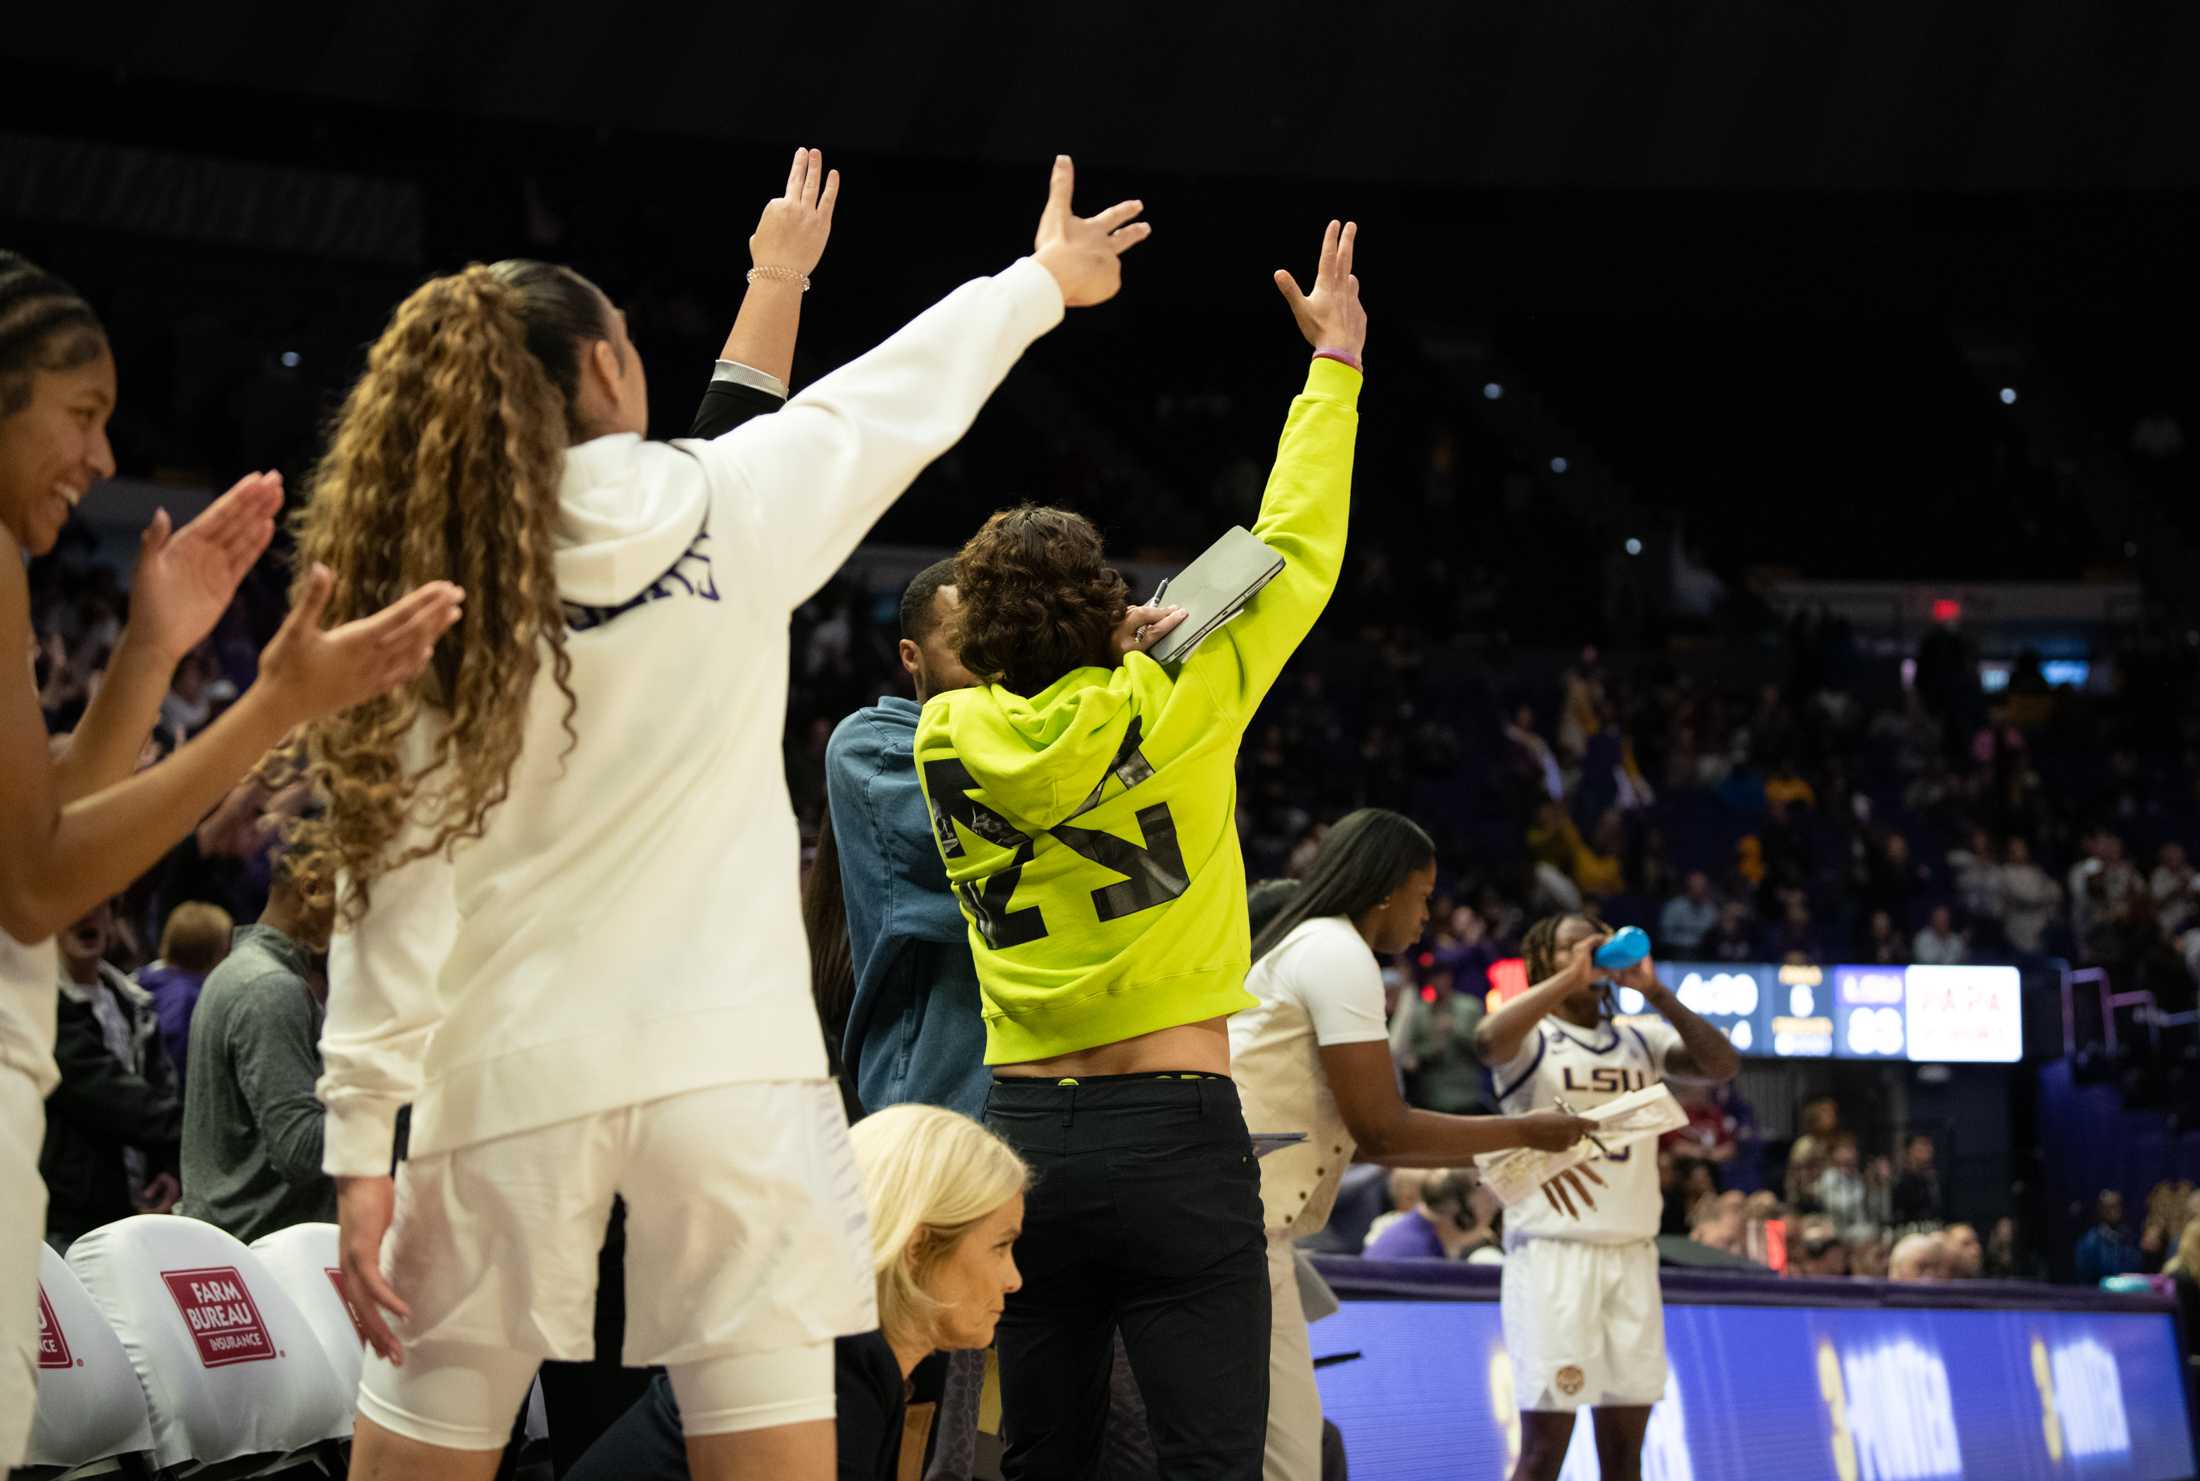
<point>782,274</point>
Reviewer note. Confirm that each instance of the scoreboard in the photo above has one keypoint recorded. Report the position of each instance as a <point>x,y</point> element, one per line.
<point>1922,1014</point>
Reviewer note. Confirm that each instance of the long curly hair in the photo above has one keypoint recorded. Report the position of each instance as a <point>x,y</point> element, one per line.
<point>444,464</point>
<point>1038,598</point>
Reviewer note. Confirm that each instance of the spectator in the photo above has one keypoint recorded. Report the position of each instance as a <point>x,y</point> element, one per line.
<point>2101,886</point>
<point>2106,1249</point>
<point>1405,1197</point>
<point>1851,1194</point>
<point>1796,936</point>
<point>113,1122</point>
<point>1883,945</point>
<point>1919,1257</point>
<point>2165,1222</point>
<point>195,694</point>
<point>1713,1133</point>
<point>1976,875</point>
<point>2007,1257</point>
<point>1463,949</point>
<point>1808,1156</point>
<point>1694,1186</point>
<point>1817,1249</point>
<point>2183,1270</point>
<point>1689,918</point>
<point>1916,1196</point>
<point>1869,1254</point>
<point>1448,1223</point>
<point>1535,754</point>
<point>1716,1223</point>
<point>2172,887</point>
<point>252,1128</point>
<point>192,944</point>
<point>1733,941</point>
<point>1894,879</point>
<point>1965,1259</point>
<point>1940,944</point>
<point>1441,1071</point>
<point>2030,899</point>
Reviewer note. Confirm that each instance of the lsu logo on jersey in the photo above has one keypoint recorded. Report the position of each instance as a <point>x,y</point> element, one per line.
<point>1604,1079</point>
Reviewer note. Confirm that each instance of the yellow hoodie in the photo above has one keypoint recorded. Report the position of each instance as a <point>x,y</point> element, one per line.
<point>1090,830</point>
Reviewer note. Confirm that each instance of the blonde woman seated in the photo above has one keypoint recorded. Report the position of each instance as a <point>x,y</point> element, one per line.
<point>946,1198</point>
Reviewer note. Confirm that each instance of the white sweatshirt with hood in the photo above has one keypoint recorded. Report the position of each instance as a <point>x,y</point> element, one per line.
<point>629,928</point>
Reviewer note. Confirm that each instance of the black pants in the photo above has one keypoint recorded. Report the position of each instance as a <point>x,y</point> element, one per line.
<point>1144,1216</point>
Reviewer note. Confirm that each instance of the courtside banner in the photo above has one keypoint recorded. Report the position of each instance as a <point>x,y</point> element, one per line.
<point>1842,1392</point>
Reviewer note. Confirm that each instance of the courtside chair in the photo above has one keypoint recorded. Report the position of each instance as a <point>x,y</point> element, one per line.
<point>91,1418</point>
<point>235,1379</point>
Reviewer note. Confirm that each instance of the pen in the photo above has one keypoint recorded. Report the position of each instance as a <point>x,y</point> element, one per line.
<point>1594,1140</point>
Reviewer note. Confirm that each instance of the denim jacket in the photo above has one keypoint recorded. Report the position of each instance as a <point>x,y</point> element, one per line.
<point>914,1030</point>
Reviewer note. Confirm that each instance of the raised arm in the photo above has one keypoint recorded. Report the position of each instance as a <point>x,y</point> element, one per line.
<point>1704,1052</point>
<point>808,483</point>
<point>65,856</point>
<point>1308,503</point>
<point>1499,1037</point>
<point>783,251</point>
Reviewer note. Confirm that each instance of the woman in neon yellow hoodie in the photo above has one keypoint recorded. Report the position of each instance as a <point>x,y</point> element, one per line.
<point>1086,811</point>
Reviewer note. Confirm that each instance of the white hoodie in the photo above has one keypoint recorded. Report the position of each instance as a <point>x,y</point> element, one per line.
<point>629,928</point>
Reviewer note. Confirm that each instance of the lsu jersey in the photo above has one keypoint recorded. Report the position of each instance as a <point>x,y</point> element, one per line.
<point>1562,1061</point>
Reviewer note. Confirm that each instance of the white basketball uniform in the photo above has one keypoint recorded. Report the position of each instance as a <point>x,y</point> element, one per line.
<point>1584,1319</point>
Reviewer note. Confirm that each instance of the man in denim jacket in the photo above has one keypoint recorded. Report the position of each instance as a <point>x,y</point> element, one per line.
<point>914,1030</point>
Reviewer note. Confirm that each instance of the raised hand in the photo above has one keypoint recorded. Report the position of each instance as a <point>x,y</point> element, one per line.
<point>792,231</point>
<point>185,580</point>
<point>1085,252</point>
<point>1330,317</point>
<point>311,671</point>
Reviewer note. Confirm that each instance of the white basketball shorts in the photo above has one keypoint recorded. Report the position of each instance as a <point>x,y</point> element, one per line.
<point>748,1250</point>
<point>1584,1324</point>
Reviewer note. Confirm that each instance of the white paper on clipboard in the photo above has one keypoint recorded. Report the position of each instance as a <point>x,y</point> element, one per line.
<point>1519,1173</point>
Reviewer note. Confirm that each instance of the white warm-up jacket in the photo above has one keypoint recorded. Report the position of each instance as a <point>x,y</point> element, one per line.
<point>629,927</point>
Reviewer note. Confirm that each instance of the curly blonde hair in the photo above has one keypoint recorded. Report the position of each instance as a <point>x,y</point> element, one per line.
<point>444,464</point>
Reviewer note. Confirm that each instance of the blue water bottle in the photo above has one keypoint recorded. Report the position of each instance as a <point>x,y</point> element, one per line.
<point>1629,945</point>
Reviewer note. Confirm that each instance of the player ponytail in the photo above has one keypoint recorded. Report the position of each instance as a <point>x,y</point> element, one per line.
<point>1363,861</point>
<point>444,465</point>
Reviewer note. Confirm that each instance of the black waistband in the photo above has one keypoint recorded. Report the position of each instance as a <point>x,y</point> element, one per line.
<point>1069,1081</point>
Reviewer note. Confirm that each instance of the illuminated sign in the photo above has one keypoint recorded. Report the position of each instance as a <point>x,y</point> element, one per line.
<point>1801,1393</point>
<point>1966,1014</point>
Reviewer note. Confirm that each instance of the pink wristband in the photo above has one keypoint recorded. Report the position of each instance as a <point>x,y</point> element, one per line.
<point>1342,357</point>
